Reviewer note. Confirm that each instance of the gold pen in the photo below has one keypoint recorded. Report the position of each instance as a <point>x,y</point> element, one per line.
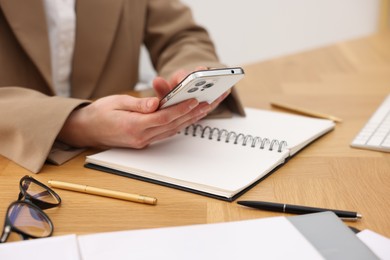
<point>103,192</point>
<point>306,112</point>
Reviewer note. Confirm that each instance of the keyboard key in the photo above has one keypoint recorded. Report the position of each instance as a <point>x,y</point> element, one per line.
<point>375,135</point>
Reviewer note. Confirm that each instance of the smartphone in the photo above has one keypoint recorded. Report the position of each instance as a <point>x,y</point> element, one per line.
<point>204,85</point>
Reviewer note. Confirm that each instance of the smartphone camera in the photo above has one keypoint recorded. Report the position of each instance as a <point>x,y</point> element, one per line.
<point>197,85</point>
<point>200,83</point>
<point>208,85</point>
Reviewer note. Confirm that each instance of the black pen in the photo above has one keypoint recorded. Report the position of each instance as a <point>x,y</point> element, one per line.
<point>295,209</point>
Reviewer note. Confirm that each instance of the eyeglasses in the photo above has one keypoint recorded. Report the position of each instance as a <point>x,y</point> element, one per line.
<point>25,216</point>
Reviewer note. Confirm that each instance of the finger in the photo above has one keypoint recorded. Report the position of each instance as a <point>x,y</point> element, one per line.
<point>171,132</point>
<point>179,123</point>
<point>161,87</point>
<point>181,74</point>
<point>164,117</point>
<point>221,98</point>
<point>140,105</point>
<point>201,68</point>
<point>177,77</point>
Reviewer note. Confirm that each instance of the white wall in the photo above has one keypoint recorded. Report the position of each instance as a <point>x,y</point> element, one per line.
<point>247,31</point>
<point>252,30</point>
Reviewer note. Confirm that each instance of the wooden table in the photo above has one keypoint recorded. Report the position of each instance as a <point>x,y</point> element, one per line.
<point>349,80</point>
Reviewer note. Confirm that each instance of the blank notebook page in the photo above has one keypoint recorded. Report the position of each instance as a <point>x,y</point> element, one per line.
<point>216,165</point>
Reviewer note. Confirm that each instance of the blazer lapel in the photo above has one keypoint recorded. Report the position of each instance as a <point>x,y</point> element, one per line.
<point>28,21</point>
<point>97,22</point>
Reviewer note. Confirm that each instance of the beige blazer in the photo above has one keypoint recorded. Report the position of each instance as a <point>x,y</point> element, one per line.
<point>109,35</point>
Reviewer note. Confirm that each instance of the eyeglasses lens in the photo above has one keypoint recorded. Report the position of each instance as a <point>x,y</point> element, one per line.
<point>38,192</point>
<point>29,220</point>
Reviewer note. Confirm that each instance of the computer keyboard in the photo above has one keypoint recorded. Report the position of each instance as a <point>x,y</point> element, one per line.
<point>375,135</point>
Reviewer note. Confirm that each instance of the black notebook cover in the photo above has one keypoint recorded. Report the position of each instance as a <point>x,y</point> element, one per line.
<point>170,185</point>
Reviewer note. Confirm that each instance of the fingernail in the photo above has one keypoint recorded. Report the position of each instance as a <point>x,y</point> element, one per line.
<point>150,103</point>
<point>193,104</point>
<point>204,110</point>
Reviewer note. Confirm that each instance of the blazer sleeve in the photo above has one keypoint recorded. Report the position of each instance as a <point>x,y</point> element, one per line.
<point>174,40</point>
<point>20,108</point>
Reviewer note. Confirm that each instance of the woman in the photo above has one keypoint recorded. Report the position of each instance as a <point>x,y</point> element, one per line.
<point>55,56</point>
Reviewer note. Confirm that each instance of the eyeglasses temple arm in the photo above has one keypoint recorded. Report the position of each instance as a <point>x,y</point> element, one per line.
<point>5,234</point>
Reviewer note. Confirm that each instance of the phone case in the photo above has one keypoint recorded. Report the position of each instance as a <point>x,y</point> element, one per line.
<point>204,85</point>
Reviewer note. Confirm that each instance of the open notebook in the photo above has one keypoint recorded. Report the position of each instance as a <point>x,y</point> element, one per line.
<point>221,158</point>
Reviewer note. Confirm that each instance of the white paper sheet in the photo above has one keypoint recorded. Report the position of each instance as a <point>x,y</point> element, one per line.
<point>59,248</point>
<point>379,244</point>
<point>268,238</point>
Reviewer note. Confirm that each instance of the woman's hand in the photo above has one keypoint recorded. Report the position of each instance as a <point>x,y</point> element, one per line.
<point>126,121</point>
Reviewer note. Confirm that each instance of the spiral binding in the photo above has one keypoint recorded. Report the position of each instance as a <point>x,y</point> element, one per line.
<point>237,138</point>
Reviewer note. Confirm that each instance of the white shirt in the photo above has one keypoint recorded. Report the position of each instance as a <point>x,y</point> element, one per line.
<point>61,22</point>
